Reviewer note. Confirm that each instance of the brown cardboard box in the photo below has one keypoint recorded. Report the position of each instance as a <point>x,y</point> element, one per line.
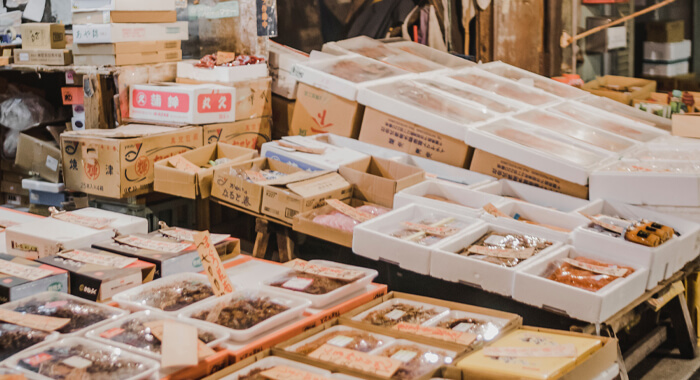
<point>282,113</point>
<point>687,125</point>
<point>391,132</point>
<point>253,96</point>
<point>666,31</point>
<point>15,200</point>
<point>249,133</point>
<point>377,179</point>
<point>317,111</point>
<point>133,17</point>
<point>43,36</point>
<point>37,151</point>
<point>630,88</point>
<point>171,180</point>
<point>286,199</point>
<point>125,47</point>
<point>305,224</point>
<point>54,57</point>
<point>118,163</point>
<point>15,188</point>
<point>125,59</point>
<point>499,167</point>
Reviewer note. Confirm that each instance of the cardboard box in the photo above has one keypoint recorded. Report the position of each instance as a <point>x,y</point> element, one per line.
<point>181,103</point>
<point>284,84</point>
<point>318,111</point>
<point>687,125</point>
<point>123,5</point>
<point>667,52</point>
<point>128,59</point>
<point>282,113</point>
<point>170,179</point>
<point>248,133</point>
<point>111,33</point>
<point>530,194</point>
<point>126,48</point>
<point>15,188</point>
<point>99,282</point>
<point>665,31</point>
<point>391,132</point>
<point>118,163</point>
<point>282,60</point>
<point>13,288</point>
<point>43,36</point>
<point>446,196</point>
<point>47,237</point>
<point>294,151</point>
<point>134,17</point>
<point>220,74</point>
<point>629,88</point>
<point>37,151</point>
<point>377,179</point>
<point>253,97</point>
<point>54,57</point>
<point>286,199</point>
<point>11,217</point>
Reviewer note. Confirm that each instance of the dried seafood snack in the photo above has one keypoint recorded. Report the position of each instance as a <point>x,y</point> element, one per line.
<point>134,333</point>
<point>355,340</point>
<point>400,312</point>
<point>81,314</point>
<point>242,313</point>
<point>312,284</point>
<point>340,221</point>
<point>505,249</point>
<point>210,61</point>
<point>14,339</point>
<point>585,273</point>
<point>643,232</point>
<point>428,231</point>
<point>416,360</point>
<point>173,297</point>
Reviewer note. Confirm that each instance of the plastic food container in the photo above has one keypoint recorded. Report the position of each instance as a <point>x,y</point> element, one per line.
<point>84,314</point>
<point>82,353</point>
<point>418,359</point>
<point>131,334</point>
<point>344,337</point>
<point>285,308</point>
<point>14,338</point>
<point>525,77</point>
<point>297,283</point>
<point>466,93</point>
<point>504,87</point>
<point>397,310</point>
<point>271,362</point>
<point>484,327</point>
<point>159,295</point>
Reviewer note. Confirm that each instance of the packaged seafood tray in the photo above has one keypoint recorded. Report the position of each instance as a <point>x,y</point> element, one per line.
<point>521,192</point>
<point>77,357</point>
<point>628,112</point>
<point>446,196</point>
<point>247,313</point>
<point>485,327</point>
<point>14,338</point>
<point>437,56</point>
<point>489,256</point>
<point>665,152</point>
<point>541,149</point>
<point>322,282</point>
<point>341,76</point>
<point>597,118</point>
<point>408,234</point>
<point>412,63</point>
<point>493,103</point>
<point>416,359</point>
<point>256,370</point>
<point>172,294</point>
<point>83,315</point>
<point>133,332</point>
<point>585,285</point>
<point>367,46</point>
<point>397,310</point>
<point>341,336</point>
<point>504,87</point>
<point>530,79</point>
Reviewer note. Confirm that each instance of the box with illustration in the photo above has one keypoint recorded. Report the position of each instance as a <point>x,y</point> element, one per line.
<point>182,103</point>
<point>21,278</point>
<point>246,133</point>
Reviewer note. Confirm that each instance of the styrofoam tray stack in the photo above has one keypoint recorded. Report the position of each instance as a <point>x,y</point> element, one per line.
<point>460,198</point>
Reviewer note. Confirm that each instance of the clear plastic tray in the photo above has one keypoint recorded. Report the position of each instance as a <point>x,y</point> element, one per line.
<point>110,334</point>
<point>503,87</point>
<point>664,153</point>
<point>531,79</point>
<point>369,47</point>
<point>392,306</point>
<point>418,359</point>
<point>355,69</point>
<point>322,299</point>
<point>341,336</point>
<point>145,297</point>
<point>434,55</point>
<point>628,112</point>
<point>486,331</point>
<point>412,63</point>
<point>274,361</point>
<point>26,337</point>
<point>81,352</point>
<point>53,304</point>
<point>463,92</point>
<point>295,307</point>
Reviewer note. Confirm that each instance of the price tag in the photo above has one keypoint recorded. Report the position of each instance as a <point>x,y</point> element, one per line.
<point>37,359</point>
<point>340,341</point>
<point>330,272</point>
<point>282,372</point>
<point>555,351</point>
<point>77,362</point>
<point>431,230</point>
<point>395,314</point>
<point>455,336</point>
<point>23,271</point>
<point>37,322</point>
<point>111,333</point>
<point>213,267</point>
<point>504,253</point>
<point>98,259</point>
<point>153,245</point>
<point>51,163</point>
<point>188,235</point>
<point>404,356</point>
<point>609,271</point>
<point>181,163</point>
<point>349,211</point>
<point>379,365</point>
<point>298,283</point>
<point>223,57</point>
<point>607,226</point>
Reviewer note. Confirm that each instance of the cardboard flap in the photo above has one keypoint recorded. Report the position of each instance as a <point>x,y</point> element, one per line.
<point>323,184</point>
<point>125,132</point>
<point>294,177</point>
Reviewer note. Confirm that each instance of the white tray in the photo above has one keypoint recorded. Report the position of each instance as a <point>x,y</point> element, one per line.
<point>130,299</point>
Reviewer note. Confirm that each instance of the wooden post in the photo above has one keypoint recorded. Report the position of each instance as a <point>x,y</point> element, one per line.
<point>285,244</point>
<point>262,238</point>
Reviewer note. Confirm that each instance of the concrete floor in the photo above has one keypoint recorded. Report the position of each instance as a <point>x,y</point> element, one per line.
<point>666,364</point>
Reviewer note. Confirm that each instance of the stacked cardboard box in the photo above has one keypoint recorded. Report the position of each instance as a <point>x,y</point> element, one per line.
<point>11,185</point>
<point>126,33</point>
<point>43,44</point>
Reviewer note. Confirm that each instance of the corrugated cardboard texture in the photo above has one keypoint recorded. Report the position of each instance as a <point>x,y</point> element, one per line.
<point>38,152</point>
<point>377,179</point>
<point>249,133</point>
<point>636,88</point>
<point>317,111</point>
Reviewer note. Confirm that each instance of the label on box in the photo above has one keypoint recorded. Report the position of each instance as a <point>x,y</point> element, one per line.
<point>330,272</point>
<point>379,365</point>
<point>491,209</point>
<point>340,341</point>
<point>404,356</point>
<point>211,103</point>
<point>111,333</point>
<point>153,245</point>
<point>23,271</point>
<point>161,101</point>
<point>554,351</point>
<point>349,211</point>
<point>456,336</point>
<point>609,271</point>
<point>23,57</point>
<point>183,164</point>
<point>187,235</point>
<point>77,362</point>
<point>282,372</point>
<point>395,314</point>
<point>504,253</point>
<point>298,283</point>
<point>51,163</point>
<point>98,259</point>
<point>220,282</point>
<point>37,359</point>
<point>82,220</point>
<point>38,322</point>
<point>431,230</point>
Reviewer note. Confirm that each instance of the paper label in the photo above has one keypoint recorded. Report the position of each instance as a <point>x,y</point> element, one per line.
<point>98,259</point>
<point>340,341</point>
<point>179,345</point>
<point>51,163</point>
<point>494,240</point>
<point>379,365</point>
<point>82,220</point>
<point>38,322</point>
<point>454,335</point>
<point>431,230</point>
<point>609,271</point>
<point>188,235</point>
<point>220,282</point>
<point>77,362</point>
<point>111,333</point>
<point>153,245</point>
<point>183,164</point>
<point>156,327</point>
<point>298,283</point>
<point>37,359</point>
<point>282,372</point>
<point>554,351</point>
<point>72,95</point>
<point>491,209</point>
<point>504,253</point>
<point>607,226</point>
<point>463,327</point>
<point>395,314</point>
<point>301,148</point>
<point>404,356</point>
<point>23,57</point>
<point>23,271</point>
<point>349,211</point>
<point>223,57</point>
<point>330,272</point>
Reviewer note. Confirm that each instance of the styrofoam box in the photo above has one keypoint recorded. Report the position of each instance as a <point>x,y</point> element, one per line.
<point>527,78</point>
<point>373,239</point>
<point>320,300</point>
<point>295,308</point>
<point>667,51</point>
<point>253,273</point>
<point>133,299</point>
<point>284,84</point>
<point>274,361</point>
<point>666,69</point>
<point>531,194</point>
<point>627,112</point>
<point>48,236</point>
<point>186,69</point>
<point>662,261</point>
<point>448,265</point>
<point>331,159</point>
<point>123,224</point>
<point>123,5</point>
<point>437,56</point>
<point>48,187</point>
<point>462,199</point>
<point>532,288</point>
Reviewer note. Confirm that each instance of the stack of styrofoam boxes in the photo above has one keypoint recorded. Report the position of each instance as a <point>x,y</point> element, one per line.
<point>126,32</point>
<point>666,52</point>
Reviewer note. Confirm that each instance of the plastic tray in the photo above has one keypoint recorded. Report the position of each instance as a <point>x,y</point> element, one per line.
<point>412,63</point>
<point>382,340</point>
<point>147,367</point>
<point>487,333</point>
<point>366,46</point>
<point>220,334</point>
<point>465,92</point>
<point>133,299</point>
<point>504,87</point>
<point>623,110</point>
<point>441,311</point>
<point>431,359</point>
<point>295,305</point>
<point>528,78</point>
<point>59,298</point>
<point>320,300</point>
<point>274,361</point>
<point>8,327</point>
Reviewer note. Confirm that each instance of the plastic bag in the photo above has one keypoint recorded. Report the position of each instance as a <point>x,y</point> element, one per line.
<point>19,113</point>
<point>341,336</point>
<point>429,230</point>
<point>585,273</point>
<point>505,249</point>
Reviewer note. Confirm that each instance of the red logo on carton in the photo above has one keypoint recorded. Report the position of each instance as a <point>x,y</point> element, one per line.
<point>37,359</point>
<point>142,166</point>
<point>92,170</point>
<point>161,101</point>
<point>321,123</point>
<point>214,103</point>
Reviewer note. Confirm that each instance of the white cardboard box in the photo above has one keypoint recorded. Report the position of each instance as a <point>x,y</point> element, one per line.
<point>667,52</point>
<point>183,103</point>
<point>531,194</point>
<point>532,288</point>
<point>373,239</point>
<point>284,84</point>
<point>447,264</point>
<point>123,5</point>
<point>112,33</point>
<point>666,69</point>
<point>330,159</point>
<point>537,214</point>
<point>123,224</point>
<point>48,236</point>
<point>8,215</point>
<point>463,200</point>
<point>662,261</point>
<point>188,70</point>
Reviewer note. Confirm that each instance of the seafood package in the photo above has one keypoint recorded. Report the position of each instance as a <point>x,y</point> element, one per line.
<point>429,230</point>
<point>341,336</point>
<point>644,232</point>
<point>15,338</point>
<point>369,47</point>
<point>623,110</point>
<point>355,69</point>
<point>344,222</point>
<point>665,153</point>
<point>483,327</point>
<point>228,60</point>
<point>416,359</point>
<point>263,369</point>
<point>505,249</point>
<point>412,63</point>
<point>434,55</point>
<point>528,78</point>
<point>503,87</point>
<point>397,310</point>
<point>463,92</point>
<point>653,167</point>
<point>586,273</point>
<point>170,294</point>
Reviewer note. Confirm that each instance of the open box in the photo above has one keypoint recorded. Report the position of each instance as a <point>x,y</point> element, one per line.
<point>447,264</point>
<point>377,179</point>
<point>532,288</point>
<point>374,240</point>
<point>455,197</point>
<point>296,152</point>
<point>662,261</point>
<point>525,193</point>
<point>177,177</point>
